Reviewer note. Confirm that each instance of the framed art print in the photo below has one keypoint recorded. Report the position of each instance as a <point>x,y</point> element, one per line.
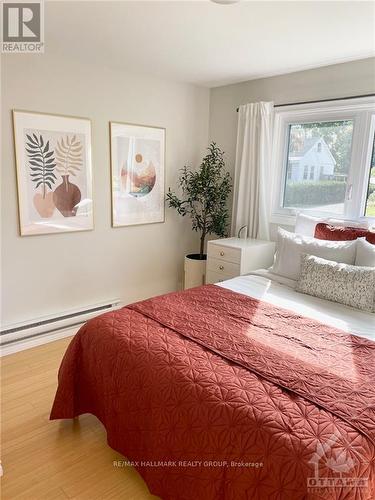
<point>137,171</point>
<point>54,172</point>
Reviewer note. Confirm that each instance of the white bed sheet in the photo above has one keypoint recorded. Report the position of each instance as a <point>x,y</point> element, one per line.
<point>280,291</point>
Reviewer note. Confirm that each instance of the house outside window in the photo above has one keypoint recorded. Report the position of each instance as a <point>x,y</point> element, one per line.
<point>331,147</point>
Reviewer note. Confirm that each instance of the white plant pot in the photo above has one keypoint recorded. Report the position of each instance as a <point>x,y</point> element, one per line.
<point>195,272</point>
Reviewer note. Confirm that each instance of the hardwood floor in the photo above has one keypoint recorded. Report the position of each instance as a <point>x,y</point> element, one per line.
<point>60,459</point>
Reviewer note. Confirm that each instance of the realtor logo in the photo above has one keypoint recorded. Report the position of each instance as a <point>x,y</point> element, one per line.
<point>22,27</point>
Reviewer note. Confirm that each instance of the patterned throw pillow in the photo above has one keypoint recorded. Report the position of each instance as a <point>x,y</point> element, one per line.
<point>335,233</point>
<point>349,285</point>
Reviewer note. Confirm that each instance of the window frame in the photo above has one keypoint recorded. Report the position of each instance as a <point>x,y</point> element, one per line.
<point>362,112</point>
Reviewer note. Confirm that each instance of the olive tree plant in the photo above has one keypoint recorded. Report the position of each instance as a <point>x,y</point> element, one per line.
<point>204,198</point>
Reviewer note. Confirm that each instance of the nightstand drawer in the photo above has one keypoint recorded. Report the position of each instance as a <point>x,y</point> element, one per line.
<point>224,253</point>
<point>213,277</point>
<point>224,267</point>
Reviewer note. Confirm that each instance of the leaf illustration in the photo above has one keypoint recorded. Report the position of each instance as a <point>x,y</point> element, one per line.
<point>68,155</point>
<point>42,162</point>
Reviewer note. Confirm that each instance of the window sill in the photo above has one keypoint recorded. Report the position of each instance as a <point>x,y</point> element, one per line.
<point>284,219</point>
<point>290,220</point>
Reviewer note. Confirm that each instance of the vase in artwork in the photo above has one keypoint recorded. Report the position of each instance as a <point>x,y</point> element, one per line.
<point>66,197</point>
<point>44,204</point>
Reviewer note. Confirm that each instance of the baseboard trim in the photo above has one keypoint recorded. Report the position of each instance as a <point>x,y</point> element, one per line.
<point>30,342</point>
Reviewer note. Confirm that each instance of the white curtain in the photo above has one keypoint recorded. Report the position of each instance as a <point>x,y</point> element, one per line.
<point>252,178</point>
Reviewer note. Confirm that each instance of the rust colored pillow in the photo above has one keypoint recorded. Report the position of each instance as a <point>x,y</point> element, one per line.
<point>336,233</point>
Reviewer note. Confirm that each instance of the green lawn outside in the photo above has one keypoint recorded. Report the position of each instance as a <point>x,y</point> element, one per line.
<point>370,211</point>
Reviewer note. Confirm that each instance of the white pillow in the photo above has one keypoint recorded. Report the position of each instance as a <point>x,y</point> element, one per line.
<point>365,253</point>
<point>305,224</point>
<point>353,286</point>
<point>291,246</point>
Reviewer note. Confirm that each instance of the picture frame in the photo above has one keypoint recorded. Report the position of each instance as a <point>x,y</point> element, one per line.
<point>54,172</point>
<point>137,156</point>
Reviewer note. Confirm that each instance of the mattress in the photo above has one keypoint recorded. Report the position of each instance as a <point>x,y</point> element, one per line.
<point>280,291</point>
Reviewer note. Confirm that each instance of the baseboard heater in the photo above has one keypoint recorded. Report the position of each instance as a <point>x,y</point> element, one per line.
<point>51,324</point>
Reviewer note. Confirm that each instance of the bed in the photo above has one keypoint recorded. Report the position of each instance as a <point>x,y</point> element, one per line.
<point>241,390</point>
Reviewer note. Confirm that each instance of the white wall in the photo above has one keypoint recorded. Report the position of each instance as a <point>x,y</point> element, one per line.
<point>339,80</point>
<point>51,273</point>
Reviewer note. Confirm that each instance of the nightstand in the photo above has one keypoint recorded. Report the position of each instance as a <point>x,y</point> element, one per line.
<point>230,257</point>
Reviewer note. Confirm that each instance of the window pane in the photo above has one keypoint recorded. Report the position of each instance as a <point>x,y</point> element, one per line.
<point>318,165</point>
<point>370,204</point>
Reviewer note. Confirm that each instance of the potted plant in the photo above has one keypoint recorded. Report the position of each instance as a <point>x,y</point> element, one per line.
<point>204,199</point>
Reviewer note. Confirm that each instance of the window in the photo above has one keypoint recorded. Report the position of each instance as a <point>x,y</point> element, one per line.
<point>370,200</point>
<point>328,192</point>
<point>331,146</point>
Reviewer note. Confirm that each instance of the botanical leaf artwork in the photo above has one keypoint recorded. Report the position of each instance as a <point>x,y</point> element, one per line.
<point>42,165</point>
<point>68,155</point>
<point>42,162</point>
<point>53,165</point>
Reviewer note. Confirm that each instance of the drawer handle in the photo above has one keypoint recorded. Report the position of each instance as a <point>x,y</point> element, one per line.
<point>221,268</point>
<point>222,253</point>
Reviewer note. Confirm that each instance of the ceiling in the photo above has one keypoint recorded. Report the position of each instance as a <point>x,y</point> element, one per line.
<point>210,44</point>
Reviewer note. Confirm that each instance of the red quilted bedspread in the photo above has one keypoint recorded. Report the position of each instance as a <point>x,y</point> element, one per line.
<point>214,395</point>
